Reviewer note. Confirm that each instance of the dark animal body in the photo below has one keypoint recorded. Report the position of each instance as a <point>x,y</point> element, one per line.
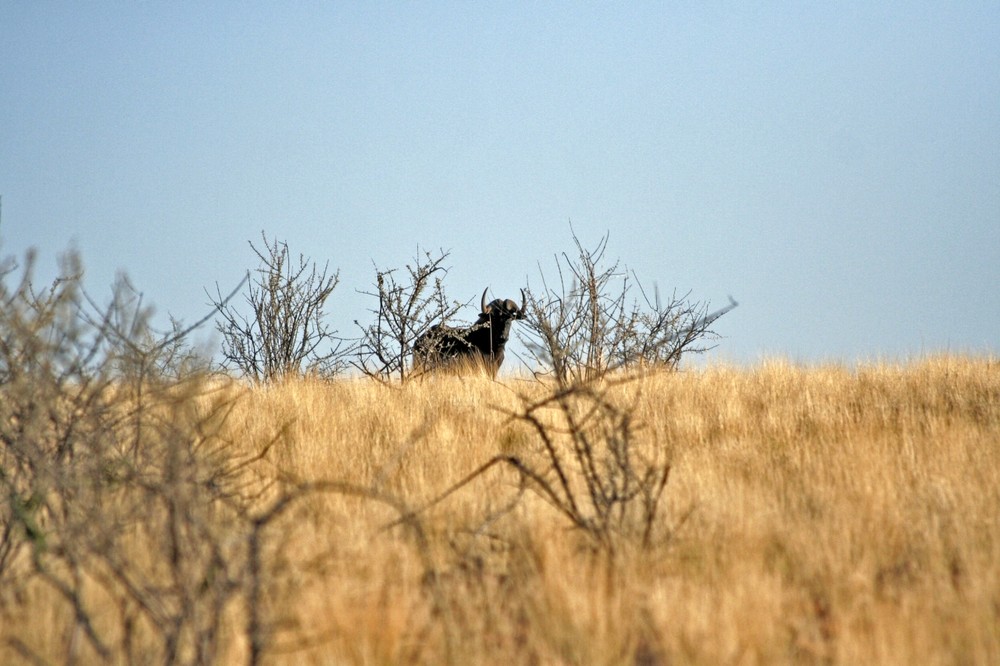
<point>479,344</point>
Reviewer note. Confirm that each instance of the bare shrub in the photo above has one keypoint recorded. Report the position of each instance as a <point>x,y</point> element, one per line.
<point>405,311</point>
<point>285,334</point>
<point>587,466</point>
<point>587,323</point>
<point>594,473</point>
<point>120,493</point>
<point>117,490</point>
<point>102,457</point>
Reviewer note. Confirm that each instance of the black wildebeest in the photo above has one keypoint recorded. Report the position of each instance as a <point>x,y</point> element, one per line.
<point>482,343</point>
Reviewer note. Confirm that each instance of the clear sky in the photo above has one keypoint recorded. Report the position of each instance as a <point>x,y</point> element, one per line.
<point>834,166</point>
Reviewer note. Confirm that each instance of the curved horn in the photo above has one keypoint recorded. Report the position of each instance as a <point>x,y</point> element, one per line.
<point>482,304</point>
<point>524,301</point>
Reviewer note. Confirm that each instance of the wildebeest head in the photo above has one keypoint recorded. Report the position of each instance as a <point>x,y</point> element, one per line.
<point>483,342</point>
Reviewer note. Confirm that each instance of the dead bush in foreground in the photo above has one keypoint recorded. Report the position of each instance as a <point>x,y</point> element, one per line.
<point>116,490</point>
<point>119,493</point>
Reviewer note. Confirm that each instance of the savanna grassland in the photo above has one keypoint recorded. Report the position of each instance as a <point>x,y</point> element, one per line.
<point>811,515</point>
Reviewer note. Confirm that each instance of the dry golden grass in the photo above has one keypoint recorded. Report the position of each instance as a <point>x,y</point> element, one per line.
<point>813,515</point>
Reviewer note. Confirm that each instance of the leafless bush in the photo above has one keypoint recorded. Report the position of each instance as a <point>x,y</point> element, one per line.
<point>101,457</point>
<point>405,311</point>
<point>588,323</point>
<point>593,471</point>
<point>588,467</point>
<point>285,334</point>
<point>119,493</point>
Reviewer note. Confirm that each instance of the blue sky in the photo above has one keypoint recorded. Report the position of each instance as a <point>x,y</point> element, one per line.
<point>835,167</point>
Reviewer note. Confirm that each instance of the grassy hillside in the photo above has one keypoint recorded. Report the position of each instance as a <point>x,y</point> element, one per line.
<point>811,515</point>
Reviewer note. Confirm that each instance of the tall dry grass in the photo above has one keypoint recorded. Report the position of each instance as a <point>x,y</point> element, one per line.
<point>812,515</point>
